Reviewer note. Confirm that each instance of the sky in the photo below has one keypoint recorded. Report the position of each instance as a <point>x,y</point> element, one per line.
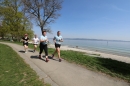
<point>92,19</point>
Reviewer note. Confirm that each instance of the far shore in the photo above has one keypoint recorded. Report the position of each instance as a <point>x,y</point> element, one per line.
<point>99,54</point>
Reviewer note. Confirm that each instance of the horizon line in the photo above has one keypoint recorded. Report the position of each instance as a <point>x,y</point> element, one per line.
<point>98,39</point>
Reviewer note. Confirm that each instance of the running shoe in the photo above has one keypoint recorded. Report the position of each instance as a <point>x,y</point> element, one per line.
<point>47,60</point>
<point>39,56</point>
<point>60,60</point>
<point>52,56</point>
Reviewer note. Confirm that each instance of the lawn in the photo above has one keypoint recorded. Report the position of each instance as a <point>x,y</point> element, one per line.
<point>114,68</point>
<point>14,71</point>
<point>108,66</point>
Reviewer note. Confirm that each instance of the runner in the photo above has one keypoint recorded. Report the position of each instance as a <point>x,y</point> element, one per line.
<point>35,42</point>
<point>25,40</point>
<point>43,45</point>
<point>57,41</point>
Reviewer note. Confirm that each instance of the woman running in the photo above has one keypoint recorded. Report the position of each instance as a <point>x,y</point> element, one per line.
<point>35,42</point>
<point>43,45</point>
<point>57,41</point>
<point>25,40</point>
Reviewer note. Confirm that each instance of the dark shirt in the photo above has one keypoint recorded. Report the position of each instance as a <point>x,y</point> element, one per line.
<point>26,39</point>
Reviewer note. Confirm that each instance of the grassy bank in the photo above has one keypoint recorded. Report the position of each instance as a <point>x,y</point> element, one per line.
<point>14,71</point>
<point>108,66</point>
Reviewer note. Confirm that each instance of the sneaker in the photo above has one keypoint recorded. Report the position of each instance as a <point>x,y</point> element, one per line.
<point>52,56</point>
<point>39,56</point>
<point>60,60</point>
<point>25,51</point>
<point>47,60</point>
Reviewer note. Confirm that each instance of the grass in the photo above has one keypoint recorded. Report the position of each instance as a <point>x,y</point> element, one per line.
<point>108,66</point>
<point>14,71</point>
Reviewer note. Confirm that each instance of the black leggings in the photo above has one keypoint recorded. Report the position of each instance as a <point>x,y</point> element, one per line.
<point>45,49</point>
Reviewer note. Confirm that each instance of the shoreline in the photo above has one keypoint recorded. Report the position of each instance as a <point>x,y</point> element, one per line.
<point>98,53</point>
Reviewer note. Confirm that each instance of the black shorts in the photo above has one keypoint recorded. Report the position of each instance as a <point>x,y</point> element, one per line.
<point>57,45</point>
<point>25,44</point>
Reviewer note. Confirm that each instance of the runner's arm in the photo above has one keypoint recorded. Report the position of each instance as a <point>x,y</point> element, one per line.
<point>61,40</point>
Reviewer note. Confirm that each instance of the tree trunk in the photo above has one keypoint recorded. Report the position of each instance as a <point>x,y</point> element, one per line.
<point>41,29</point>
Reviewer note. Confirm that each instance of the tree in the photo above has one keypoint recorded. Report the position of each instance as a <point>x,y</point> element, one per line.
<point>43,11</point>
<point>13,21</point>
<point>3,28</point>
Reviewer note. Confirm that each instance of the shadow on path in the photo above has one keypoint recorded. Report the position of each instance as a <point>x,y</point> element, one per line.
<point>37,57</point>
<point>22,51</point>
<point>30,50</point>
<point>34,57</point>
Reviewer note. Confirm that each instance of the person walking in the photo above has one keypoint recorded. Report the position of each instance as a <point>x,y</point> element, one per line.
<point>57,41</point>
<point>25,40</point>
<point>35,42</point>
<point>43,45</point>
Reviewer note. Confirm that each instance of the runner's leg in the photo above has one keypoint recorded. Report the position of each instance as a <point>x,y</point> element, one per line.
<point>46,52</point>
<point>41,50</point>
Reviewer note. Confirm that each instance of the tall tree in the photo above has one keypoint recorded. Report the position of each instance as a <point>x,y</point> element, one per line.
<point>43,11</point>
<point>4,12</point>
<point>13,20</point>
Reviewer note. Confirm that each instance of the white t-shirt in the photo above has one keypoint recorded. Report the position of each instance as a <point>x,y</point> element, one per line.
<point>35,40</point>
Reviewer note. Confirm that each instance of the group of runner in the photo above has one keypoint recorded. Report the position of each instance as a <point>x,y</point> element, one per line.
<point>43,41</point>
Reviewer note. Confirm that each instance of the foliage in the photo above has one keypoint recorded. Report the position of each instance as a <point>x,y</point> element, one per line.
<point>13,21</point>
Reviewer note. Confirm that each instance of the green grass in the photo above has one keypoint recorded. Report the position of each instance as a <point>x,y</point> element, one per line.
<point>108,66</point>
<point>14,71</point>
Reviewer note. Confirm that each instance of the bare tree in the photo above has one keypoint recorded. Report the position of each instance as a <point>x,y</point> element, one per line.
<point>44,11</point>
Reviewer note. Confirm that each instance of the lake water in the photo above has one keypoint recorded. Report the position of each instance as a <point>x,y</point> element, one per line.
<point>108,46</point>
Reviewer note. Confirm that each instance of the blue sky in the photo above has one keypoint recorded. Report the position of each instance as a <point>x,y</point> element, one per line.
<point>94,19</point>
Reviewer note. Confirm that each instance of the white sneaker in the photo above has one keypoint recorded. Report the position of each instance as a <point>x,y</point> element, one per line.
<point>25,52</point>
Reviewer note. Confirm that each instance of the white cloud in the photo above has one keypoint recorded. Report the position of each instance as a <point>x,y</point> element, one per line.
<point>119,9</point>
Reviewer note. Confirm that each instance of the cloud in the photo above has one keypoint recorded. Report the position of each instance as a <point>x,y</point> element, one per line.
<point>119,9</point>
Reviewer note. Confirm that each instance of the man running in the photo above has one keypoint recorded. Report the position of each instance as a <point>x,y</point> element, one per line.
<point>35,42</point>
<point>43,45</point>
<point>25,40</point>
<point>57,41</point>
